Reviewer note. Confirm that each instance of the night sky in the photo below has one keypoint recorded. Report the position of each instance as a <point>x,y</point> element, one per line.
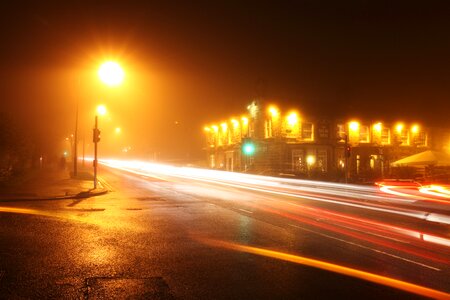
<point>189,64</point>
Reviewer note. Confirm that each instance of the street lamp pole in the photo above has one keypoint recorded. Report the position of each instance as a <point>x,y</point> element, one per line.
<point>112,74</point>
<point>75,144</point>
<point>95,140</point>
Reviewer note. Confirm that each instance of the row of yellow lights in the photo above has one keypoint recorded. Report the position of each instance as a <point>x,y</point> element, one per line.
<point>224,125</point>
<point>293,118</point>
<point>354,126</point>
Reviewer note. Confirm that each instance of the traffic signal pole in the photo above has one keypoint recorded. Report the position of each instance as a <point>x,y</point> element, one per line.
<point>75,146</point>
<point>346,158</point>
<point>95,151</point>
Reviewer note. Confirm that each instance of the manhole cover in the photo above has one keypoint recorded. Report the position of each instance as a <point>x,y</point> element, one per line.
<point>127,288</point>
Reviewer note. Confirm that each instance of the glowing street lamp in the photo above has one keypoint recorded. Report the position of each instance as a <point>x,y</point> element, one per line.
<point>415,129</point>
<point>111,73</point>
<point>399,128</point>
<point>118,130</point>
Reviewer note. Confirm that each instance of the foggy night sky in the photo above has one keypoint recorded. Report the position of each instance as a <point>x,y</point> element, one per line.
<point>197,63</point>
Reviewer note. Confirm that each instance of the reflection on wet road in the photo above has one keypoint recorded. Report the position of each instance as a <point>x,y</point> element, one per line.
<point>192,233</point>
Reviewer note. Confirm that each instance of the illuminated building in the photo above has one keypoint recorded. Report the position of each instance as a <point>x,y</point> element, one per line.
<point>288,143</point>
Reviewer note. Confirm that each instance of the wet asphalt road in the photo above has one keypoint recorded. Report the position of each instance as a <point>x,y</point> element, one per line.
<point>172,238</point>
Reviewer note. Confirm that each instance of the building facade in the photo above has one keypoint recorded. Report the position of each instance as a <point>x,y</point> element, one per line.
<point>268,141</point>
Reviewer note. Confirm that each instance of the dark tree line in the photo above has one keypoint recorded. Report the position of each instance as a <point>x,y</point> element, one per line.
<point>16,147</point>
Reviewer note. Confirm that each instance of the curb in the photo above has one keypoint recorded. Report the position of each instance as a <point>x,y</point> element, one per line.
<point>80,195</point>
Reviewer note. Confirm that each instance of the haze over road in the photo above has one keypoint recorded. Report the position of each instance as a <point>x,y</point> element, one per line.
<point>171,232</point>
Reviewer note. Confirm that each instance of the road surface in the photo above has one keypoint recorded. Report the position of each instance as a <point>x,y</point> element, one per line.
<point>182,233</point>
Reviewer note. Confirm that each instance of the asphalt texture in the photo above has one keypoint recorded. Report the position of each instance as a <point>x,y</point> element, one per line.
<point>171,238</point>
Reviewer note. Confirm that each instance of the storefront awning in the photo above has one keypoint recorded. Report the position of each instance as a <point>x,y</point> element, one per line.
<point>426,158</point>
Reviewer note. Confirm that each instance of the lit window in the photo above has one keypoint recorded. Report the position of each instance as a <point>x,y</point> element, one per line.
<point>364,134</point>
<point>404,138</point>
<point>420,139</point>
<point>307,131</point>
<point>341,132</point>
<point>321,162</point>
<point>299,161</point>
<point>385,136</point>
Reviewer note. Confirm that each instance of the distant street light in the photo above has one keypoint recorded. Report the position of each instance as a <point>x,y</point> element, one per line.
<point>378,127</point>
<point>354,126</point>
<point>310,160</point>
<point>292,118</point>
<point>273,111</point>
<point>101,110</point>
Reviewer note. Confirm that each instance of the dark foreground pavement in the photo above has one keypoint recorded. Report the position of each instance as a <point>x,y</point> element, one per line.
<point>150,238</point>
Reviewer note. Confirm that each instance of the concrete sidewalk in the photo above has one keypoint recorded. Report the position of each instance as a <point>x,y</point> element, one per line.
<point>50,183</point>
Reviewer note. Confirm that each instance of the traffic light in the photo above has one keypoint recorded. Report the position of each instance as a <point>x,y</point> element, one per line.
<point>348,151</point>
<point>96,135</point>
<point>248,147</point>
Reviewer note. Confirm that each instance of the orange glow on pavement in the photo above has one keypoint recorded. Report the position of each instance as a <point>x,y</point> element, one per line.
<point>387,281</point>
<point>17,210</point>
